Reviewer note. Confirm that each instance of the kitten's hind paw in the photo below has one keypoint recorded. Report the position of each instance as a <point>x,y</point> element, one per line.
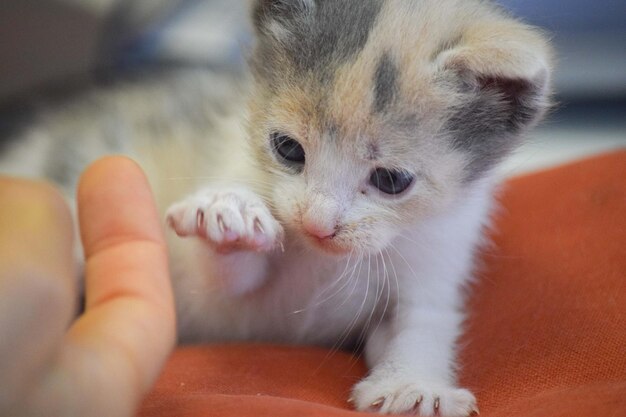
<point>412,398</point>
<point>229,220</point>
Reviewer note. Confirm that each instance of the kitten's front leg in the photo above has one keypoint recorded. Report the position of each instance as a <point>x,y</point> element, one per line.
<point>237,224</point>
<point>412,354</point>
<point>412,360</point>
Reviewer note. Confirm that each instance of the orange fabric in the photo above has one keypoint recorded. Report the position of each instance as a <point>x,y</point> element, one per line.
<point>546,336</point>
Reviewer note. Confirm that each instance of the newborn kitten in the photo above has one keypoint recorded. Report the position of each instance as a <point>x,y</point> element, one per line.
<point>343,203</point>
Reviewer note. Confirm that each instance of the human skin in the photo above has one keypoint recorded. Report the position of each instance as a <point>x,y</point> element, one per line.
<point>103,362</point>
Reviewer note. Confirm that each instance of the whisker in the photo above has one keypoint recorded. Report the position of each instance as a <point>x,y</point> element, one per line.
<point>395,274</point>
<point>354,278</point>
<point>229,180</point>
<point>379,294</point>
<point>405,261</point>
<point>337,345</point>
<point>381,316</point>
<point>409,239</point>
<point>333,284</point>
<point>388,284</point>
<point>346,333</point>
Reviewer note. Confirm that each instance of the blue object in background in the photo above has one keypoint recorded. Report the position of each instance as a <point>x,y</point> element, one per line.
<point>571,16</point>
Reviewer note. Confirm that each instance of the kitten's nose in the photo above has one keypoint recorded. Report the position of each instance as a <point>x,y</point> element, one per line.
<point>319,229</point>
<point>321,216</point>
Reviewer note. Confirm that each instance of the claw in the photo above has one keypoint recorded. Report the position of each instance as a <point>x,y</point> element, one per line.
<point>200,219</point>
<point>170,221</point>
<point>416,406</point>
<point>437,405</point>
<point>221,225</point>
<point>258,226</point>
<point>474,413</point>
<point>378,402</point>
<point>351,400</point>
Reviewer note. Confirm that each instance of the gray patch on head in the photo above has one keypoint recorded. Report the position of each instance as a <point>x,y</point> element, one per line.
<point>329,33</point>
<point>385,83</point>
<point>489,125</point>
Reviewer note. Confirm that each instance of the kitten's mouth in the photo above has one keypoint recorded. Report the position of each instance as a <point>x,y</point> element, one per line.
<point>331,244</point>
<point>324,237</point>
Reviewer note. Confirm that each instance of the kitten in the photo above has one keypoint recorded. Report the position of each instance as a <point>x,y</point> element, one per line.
<point>337,196</point>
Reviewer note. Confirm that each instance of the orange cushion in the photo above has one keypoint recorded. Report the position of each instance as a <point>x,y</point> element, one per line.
<point>546,336</point>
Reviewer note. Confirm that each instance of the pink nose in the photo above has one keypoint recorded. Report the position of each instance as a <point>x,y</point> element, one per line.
<point>318,230</point>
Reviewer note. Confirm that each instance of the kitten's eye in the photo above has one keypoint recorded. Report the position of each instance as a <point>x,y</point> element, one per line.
<point>289,150</point>
<point>391,181</point>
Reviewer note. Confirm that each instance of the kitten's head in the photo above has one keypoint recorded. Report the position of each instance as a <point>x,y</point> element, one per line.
<point>372,115</point>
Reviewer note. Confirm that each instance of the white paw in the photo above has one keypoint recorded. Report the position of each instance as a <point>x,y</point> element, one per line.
<point>397,396</point>
<point>229,220</point>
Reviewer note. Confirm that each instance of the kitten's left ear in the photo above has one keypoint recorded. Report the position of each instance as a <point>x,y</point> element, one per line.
<point>505,70</point>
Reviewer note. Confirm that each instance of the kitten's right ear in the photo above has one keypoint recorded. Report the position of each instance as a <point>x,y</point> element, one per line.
<point>502,74</point>
<point>506,68</point>
<point>281,11</point>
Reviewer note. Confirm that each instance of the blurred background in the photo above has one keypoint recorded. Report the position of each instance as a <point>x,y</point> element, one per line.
<point>62,42</point>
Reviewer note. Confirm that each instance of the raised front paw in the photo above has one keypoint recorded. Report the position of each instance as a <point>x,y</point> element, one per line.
<point>398,396</point>
<point>228,219</point>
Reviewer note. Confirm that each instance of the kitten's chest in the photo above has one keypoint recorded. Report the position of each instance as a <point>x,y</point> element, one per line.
<point>327,301</point>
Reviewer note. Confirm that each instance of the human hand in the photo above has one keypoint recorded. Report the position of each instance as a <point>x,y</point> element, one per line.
<point>102,363</point>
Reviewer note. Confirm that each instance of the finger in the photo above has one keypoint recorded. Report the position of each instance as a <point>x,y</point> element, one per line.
<point>37,278</point>
<point>128,328</point>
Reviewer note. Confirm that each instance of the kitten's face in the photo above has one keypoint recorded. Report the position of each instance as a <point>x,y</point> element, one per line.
<point>346,176</point>
<point>363,127</point>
